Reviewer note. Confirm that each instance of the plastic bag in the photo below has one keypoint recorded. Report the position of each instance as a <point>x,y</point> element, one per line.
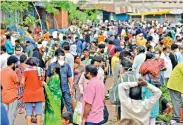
<point>77,113</point>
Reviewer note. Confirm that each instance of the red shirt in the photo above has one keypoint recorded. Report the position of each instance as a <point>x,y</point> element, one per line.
<point>33,91</point>
<point>9,80</point>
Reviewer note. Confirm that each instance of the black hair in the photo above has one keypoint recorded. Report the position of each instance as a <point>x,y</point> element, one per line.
<point>85,50</point>
<point>51,37</point>
<point>17,41</point>
<point>3,48</point>
<point>149,47</point>
<point>66,46</point>
<point>23,58</point>
<point>59,52</point>
<point>33,61</point>
<point>117,49</point>
<point>67,116</point>
<point>64,37</point>
<point>150,38</point>
<point>17,47</point>
<point>110,42</point>
<point>8,36</point>
<point>165,48</point>
<point>27,41</point>
<point>29,31</point>
<point>12,60</point>
<point>174,46</point>
<point>126,38</point>
<point>126,64</point>
<point>135,93</point>
<point>92,70</point>
<point>149,55</point>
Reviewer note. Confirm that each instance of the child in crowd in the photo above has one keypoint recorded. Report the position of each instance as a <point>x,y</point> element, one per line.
<point>66,118</point>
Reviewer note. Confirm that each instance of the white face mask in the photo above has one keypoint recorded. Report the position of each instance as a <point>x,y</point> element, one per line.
<point>157,55</point>
<point>177,50</point>
<point>61,60</point>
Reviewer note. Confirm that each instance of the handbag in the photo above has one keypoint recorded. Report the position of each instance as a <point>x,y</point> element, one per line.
<point>77,118</point>
<point>129,76</point>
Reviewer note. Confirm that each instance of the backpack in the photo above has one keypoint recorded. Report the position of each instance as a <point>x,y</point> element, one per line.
<point>129,76</point>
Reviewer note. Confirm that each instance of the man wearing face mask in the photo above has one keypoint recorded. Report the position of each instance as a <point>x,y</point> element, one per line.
<point>66,79</point>
<point>18,51</point>
<point>168,64</point>
<point>93,98</point>
<point>9,81</point>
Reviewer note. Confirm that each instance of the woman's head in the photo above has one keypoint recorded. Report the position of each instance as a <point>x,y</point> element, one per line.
<point>77,59</point>
<point>33,61</point>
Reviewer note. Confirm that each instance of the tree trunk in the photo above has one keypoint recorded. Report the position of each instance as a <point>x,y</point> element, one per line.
<point>38,16</point>
<point>55,21</point>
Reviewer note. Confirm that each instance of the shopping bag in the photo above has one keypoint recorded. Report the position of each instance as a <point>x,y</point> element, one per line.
<point>77,113</point>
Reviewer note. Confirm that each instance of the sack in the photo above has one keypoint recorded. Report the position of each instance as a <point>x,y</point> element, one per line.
<point>126,77</point>
<point>151,66</point>
<point>77,113</point>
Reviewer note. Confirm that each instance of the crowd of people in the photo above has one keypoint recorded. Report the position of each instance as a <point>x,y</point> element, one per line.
<point>42,72</point>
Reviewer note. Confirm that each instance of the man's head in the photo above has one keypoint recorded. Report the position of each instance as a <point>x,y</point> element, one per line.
<point>136,93</point>
<point>60,56</point>
<point>18,50</point>
<point>96,61</point>
<point>23,58</point>
<point>17,42</point>
<point>140,49</point>
<point>64,38</point>
<point>174,47</point>
<point>85,52</point>
<point>90,72</point>
<point>8,37</point>
<point>27,43</point>
<point>66,46</point>
<point>3,49</point>
<point>12,62</point>
<point>166,50</point>
<point>127,65</point>
<point>101,48</point>
<point>117,51</point>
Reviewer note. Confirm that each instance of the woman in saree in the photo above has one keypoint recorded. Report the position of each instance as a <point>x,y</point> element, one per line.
<point>53,99</point>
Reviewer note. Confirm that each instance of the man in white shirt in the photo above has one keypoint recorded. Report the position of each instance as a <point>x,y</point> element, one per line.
<point>133,106</point>
<point>168,64</point>
<point>139,59</point>
<point>3,57</point>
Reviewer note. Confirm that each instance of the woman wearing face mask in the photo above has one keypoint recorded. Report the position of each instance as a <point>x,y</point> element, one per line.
<point>79,68</point>
<point>33,79</point>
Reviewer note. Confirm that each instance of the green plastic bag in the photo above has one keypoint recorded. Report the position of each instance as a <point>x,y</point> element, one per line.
<point>77,113</point>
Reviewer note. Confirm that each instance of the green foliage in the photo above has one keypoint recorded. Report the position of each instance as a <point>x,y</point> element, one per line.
<point>165,93</point>
<point>51,7</point>
<point>30,20</point>
<point>11,6</point>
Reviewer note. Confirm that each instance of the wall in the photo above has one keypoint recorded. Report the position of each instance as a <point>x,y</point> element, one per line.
<point>122,17</point>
